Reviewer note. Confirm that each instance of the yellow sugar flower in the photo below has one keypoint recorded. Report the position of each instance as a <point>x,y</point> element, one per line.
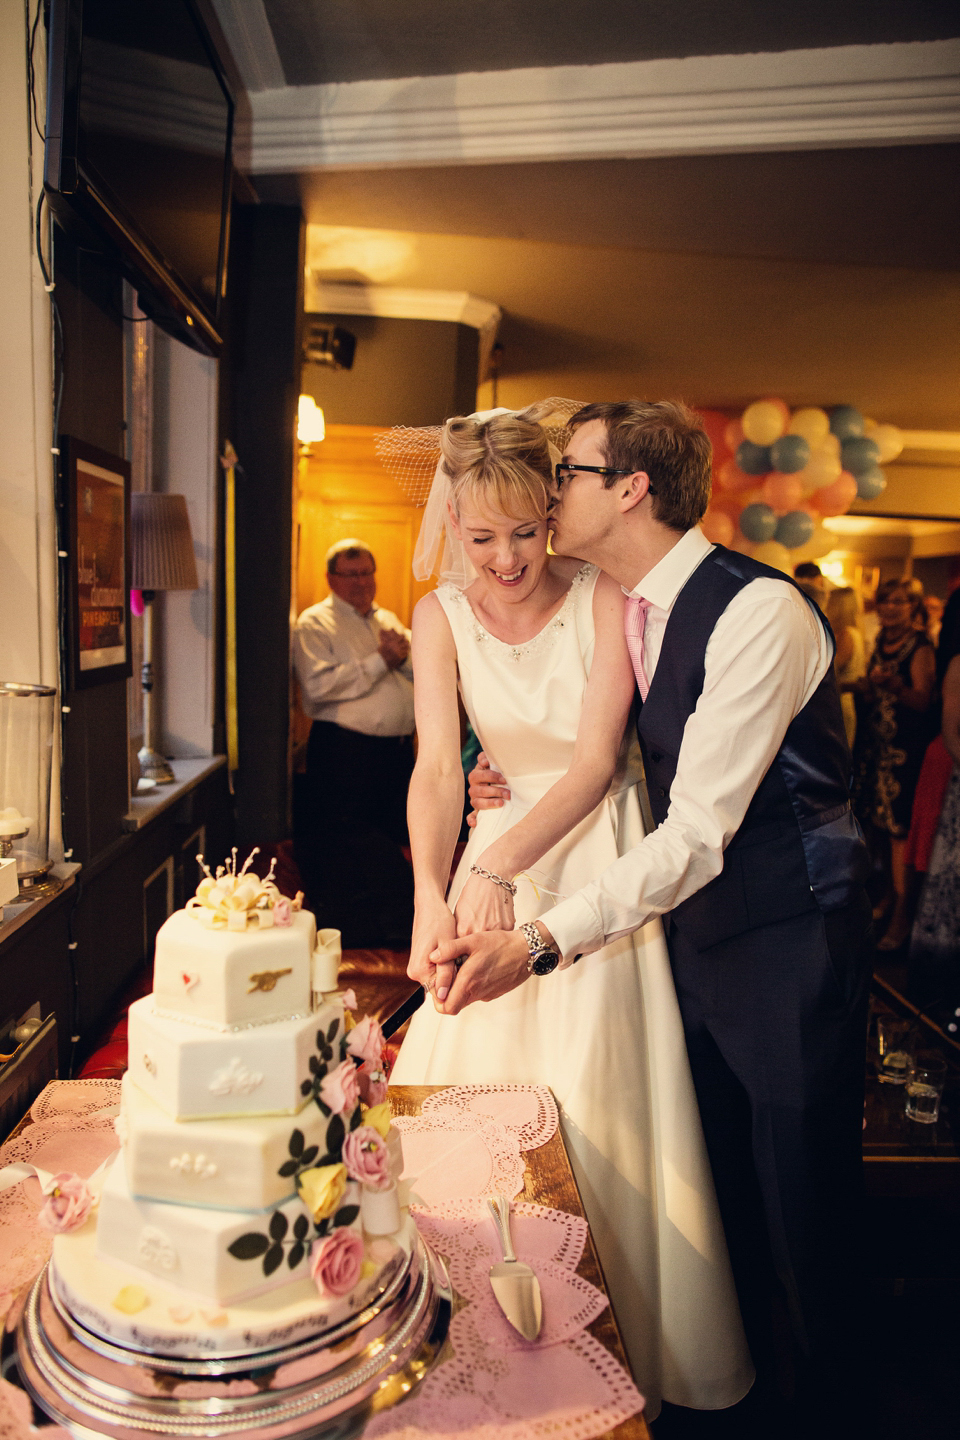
<point>379,1117</point>
<point>321,1189</point>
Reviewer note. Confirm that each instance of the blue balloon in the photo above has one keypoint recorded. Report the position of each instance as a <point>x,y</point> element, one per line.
<point>794,529</point>
<point>846,422</point>
<point>758,522</point>
<point>789,454</point>
<point>753,459</point>
<point>871,483</point>
<point>859,454</point>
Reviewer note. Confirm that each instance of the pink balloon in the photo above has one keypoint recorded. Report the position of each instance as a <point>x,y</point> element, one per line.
<point>837,498</point>
<point>733,479</point>
<point>782,492</point>
<point>717,526</point>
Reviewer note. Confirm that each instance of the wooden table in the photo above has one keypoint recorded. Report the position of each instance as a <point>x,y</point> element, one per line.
<point>548,1180</point>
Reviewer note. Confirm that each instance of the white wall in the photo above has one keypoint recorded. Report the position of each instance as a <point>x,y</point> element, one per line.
<point>28,623</point>
<point>185,463</point>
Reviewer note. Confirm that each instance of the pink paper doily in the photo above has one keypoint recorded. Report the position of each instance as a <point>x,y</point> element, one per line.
<point>528,1111</point>
<point>565,1385</point>
<point>496,1385</point>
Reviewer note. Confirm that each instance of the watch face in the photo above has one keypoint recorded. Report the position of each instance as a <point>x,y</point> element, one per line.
<point>546,963</point>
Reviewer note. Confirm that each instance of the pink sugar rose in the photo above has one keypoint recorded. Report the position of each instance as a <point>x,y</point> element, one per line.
<point>282,915</point>
<point>366,1158</point>
<point>366,1041</point>
<point>340,1089</point>
<point>373,1085</point>
<point>68,1203</point>
<point>349,999</point>
<point>336,1262</point>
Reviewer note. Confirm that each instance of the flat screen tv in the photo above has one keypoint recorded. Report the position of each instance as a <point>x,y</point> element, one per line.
<point>138,155</point>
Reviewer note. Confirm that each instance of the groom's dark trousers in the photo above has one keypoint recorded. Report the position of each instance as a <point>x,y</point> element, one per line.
<point>771,962</point>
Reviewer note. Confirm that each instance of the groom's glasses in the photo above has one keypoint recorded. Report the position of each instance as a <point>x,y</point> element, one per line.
<point>565,468</point>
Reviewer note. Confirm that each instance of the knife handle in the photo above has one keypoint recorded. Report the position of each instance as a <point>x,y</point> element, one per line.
<point>500,1210</point>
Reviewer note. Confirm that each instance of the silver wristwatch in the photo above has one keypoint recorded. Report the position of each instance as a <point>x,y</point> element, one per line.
<point>544,959</point>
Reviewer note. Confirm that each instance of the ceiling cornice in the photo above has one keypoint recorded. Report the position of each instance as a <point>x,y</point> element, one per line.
<point>798,100</point>
<point>246,30</point>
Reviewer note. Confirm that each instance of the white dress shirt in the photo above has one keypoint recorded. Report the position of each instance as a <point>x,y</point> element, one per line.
<point>343,677</point>
<point>766,657</point>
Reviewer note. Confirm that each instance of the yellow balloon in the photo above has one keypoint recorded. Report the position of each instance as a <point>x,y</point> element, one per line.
<point>811,422</point>
<point>831,444</point>
<point>890,440</point>
<point>763,422</point>
<point>777,555</point>
<point>821,542</point>
<point>821,469</point>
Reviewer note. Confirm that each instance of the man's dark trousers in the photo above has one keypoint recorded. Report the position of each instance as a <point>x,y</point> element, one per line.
<point>775,1024</point>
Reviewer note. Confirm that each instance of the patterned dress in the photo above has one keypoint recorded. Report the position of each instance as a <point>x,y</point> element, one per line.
<point>891,741</point>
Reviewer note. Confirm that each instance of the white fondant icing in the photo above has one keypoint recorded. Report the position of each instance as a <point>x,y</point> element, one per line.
<point>226,978</point>
<point>200,1238</point>
<point>235,1079</point>
<point>235,1163</point>
<point>87,1282</point>
<point>155,1250</point>
<point>380,1210</point>
<point>191,1058</point>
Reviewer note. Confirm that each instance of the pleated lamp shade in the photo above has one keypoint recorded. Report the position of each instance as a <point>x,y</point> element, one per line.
<point>161,546</point>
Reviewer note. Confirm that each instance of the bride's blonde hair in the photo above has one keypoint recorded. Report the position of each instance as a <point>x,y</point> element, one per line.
<point>502,463</point>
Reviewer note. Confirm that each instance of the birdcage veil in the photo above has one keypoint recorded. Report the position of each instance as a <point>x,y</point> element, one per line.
<point>411,455</point>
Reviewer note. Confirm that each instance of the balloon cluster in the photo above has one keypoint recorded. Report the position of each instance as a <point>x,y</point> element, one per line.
<point>777,475</point>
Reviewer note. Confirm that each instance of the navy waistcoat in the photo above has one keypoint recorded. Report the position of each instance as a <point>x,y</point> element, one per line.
<point>799,847</point>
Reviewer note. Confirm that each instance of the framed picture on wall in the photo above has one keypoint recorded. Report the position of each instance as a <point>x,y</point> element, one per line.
<point>95,492</point>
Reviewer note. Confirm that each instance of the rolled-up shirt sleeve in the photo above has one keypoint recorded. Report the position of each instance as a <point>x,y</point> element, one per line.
<point>323,676</point>
<point>766,656</point>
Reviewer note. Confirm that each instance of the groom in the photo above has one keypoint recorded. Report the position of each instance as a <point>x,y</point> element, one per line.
<point>756,866</point>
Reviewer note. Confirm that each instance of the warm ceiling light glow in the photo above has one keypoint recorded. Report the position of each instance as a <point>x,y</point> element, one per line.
<point>310,426</point>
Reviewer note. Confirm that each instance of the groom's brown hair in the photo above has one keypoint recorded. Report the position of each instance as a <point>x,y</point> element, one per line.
<point>666,439</point>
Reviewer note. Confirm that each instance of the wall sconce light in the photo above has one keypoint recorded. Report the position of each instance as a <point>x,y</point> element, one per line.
<point>310,427</point>
<point>161,559</point>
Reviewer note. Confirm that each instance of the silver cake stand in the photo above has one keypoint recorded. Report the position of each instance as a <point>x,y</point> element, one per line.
<point>327,1386</point>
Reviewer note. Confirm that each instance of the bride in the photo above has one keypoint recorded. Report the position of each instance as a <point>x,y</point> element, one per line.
<point>534,643</point>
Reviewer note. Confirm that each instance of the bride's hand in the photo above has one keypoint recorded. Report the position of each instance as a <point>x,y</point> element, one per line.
<point>483,905</point>
<point>432,924</point>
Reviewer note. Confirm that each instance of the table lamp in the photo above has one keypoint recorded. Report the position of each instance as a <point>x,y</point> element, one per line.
<point>161,550</point>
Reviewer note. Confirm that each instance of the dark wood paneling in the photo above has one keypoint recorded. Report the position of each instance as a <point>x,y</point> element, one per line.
<point>263,360</point>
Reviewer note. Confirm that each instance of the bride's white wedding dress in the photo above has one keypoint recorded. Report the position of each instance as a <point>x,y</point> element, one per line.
<point>605,1035</point>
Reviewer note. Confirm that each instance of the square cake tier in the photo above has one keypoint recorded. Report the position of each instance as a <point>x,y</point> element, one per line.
<point>230,979</point>
<point>245,1163</point>
<point>196,1073</point>
<point>223,1256</point>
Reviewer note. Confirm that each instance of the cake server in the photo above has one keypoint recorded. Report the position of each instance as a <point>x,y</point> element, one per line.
<point>515,1287</point>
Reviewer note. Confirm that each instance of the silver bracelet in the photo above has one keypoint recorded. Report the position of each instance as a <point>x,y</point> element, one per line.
<point>497,879</point>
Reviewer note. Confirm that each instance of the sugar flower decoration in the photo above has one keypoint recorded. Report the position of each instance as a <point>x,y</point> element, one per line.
<point>366,1158</point>
<point>340,1089</point>
<point>235,900</point>
<point>68,1202</point>
<point>321,1189</point>
<point>336,1262</point>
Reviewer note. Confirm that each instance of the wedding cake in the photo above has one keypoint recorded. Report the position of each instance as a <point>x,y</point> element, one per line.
<point>256,1199</point>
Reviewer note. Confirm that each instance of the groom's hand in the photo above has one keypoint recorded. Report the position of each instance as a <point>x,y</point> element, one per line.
<point>496,962</point>
<point>487,788</point>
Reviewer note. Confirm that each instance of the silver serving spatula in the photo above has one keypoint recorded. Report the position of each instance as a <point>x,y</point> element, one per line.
<point>515,1287</point>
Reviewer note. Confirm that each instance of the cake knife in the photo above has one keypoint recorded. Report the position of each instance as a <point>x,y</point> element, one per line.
<point>412,1003</point>
<point>515,1287</point>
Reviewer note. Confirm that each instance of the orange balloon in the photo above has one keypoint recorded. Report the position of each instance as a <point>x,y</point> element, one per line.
<point>837,498</point>
<point>782,492</point>
<point>715,423</point>
<point>733,435</point>
<point>733,479</point>
<point>717,526</point>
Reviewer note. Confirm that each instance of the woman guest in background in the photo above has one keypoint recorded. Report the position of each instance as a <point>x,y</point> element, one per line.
<point>893,704</point>
<point>935,941</point>
<point>535,644</point>
<point>849,658</point>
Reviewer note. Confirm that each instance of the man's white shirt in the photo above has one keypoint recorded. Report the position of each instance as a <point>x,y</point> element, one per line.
<point>343,677</point>
<point>766,657</point>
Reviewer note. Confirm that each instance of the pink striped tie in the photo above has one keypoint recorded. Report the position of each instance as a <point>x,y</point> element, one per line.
<point>634,621</point>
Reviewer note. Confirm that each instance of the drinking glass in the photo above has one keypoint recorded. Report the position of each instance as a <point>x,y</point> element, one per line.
<point>925,1082</point>
<point>892,1043</point>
